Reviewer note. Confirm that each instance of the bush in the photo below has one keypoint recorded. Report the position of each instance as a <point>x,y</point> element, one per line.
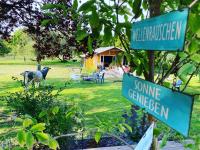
<point>44,106</point>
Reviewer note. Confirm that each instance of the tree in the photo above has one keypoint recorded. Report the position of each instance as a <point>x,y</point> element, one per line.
<point>15,13</point>
<point>108,19</point>
<point>50,23</point>
<point>4,49</point>
<point>21,44</point>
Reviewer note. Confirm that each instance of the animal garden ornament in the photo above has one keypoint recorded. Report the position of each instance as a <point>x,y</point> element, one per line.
<point>34,76</point>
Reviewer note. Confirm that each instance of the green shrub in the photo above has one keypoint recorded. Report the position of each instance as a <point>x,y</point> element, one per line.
<point>30,134</point>
<point>43,105</point>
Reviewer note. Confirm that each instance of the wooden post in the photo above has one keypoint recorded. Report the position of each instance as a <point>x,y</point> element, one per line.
<point>154,8</point>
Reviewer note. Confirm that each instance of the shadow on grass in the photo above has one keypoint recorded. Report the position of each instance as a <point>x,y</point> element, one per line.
<point>99,101</point>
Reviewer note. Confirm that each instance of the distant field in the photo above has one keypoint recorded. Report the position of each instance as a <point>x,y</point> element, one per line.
<point>19,60</point>
<point>103,101</point>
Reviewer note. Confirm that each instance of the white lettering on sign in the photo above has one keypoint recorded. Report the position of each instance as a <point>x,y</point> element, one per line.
<point>149,97</point>
<point>161,32</point>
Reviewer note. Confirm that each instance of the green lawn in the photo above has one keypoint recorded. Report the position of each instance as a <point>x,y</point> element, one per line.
<point>103,101</point>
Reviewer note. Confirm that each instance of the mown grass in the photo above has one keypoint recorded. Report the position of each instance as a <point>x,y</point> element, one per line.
<point>103,101</point>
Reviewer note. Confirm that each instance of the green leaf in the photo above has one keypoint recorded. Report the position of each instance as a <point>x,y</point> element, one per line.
<point>198,33</point>
<point>136,8</point>
<point>183,77</point>
<point>97,136</point>
<point>167,84</point>
<point>189,146</point>
<point>139,70</point>
<point>194,22</point>
<point>55,110</point>
<point>182,55</point>
<point>75,4</point>
<point>194,46</point>
<point>128,127</point>
<point>42,137</point>
<point>128,33</point>
<point>124,11</point>
<point>121,128</point>
<point>17,148</point>
<point>48,6</point>
<point>29,140</point>
<point>21,137</point>
<point>87,6</point>
<point>186,69</point>
<point>107,34</point>
<point>136,62</point>
<point>119,57</point>
<point>156,132</point>
<point>53,6</point>
<point>81,34</point>
<point>69,114</point>
<point>53,144</point>
<point>145,4</point>
<point>45,22</point>
<point>195,58</point>
<point>19,120</point>
<point>38,127</point>
<point>43,113</point>
<point>126,18</point>
<point>128,56</point>
<point>89,44</point>
<point>164,140</point>
<point>94,19</point>
<point>27,122</point>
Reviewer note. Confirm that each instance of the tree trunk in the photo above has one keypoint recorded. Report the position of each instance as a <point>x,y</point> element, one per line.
<point>154,8</point>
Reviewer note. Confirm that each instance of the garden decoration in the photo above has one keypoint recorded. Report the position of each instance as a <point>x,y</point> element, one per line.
<point>176,84</point>
<point>163,103</point>
<point>34,76</point>
<point>164,33</point>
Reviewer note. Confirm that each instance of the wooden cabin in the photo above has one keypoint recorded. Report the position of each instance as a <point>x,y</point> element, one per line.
<point>103,56</point>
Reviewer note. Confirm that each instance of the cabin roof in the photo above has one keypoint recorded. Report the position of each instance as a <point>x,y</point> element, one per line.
<point>103,49</point>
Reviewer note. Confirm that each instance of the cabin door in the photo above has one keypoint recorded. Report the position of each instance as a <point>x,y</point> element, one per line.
<point>107,60</point>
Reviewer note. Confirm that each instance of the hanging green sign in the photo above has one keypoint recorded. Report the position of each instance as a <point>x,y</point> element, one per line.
<point>171,107</point>
<point>165,32</point>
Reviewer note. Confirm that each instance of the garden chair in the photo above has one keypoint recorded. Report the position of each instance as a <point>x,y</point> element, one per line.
<point>92,77</point>
<point>100,78</point>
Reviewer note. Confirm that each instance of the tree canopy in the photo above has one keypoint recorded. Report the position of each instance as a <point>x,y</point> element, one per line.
<point>50,23</point>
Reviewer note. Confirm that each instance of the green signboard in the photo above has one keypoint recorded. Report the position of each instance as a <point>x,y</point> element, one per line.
<point>171,107</point>
<point>165,32</point>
